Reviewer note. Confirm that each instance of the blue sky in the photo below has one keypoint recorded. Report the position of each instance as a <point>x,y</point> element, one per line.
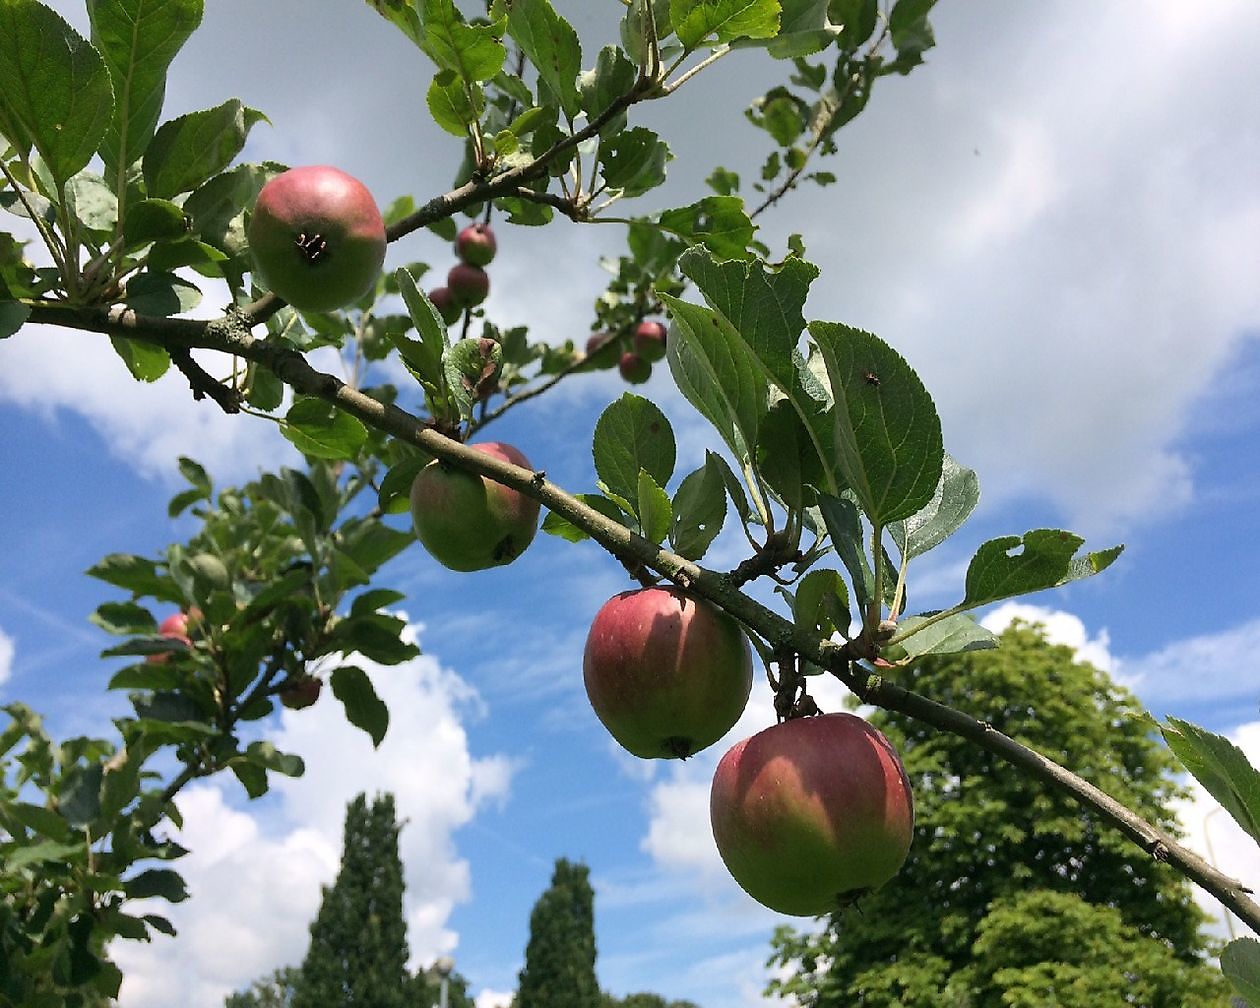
<point>1057,221</point>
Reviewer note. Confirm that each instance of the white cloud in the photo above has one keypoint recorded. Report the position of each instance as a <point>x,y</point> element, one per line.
<point>6,657</point>
<point>1214,835</point>
<point>1217,667</point>
<point>1060,628</point>
<point>255,874</point>
<point>493,999</point>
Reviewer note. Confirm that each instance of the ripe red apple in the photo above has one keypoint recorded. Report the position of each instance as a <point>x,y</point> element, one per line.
<point>476,245</point>
<point>444,301</point>
<point>649,340</point>
<point>468,522</point>
<point>811,813</point>
<point>175,626</point>
<point>301,692</point>
<point>634,368</point>
<point>667,673</point>
<point>469,285</point>
<point>317,237</point>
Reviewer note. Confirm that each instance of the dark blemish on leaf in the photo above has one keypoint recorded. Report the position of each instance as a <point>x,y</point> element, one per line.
<point>871,378</point>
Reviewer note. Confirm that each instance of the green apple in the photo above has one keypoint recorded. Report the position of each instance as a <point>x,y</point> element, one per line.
<point>468,522</point>
<point>475,245</point>
<point>667,673</point>
<point>317,238</point>
<point>810,814</point>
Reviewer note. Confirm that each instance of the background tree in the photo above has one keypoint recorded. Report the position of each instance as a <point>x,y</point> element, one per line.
<point>272,991</point>
<point>358,952</point>
<point>560,957</point>
<point>1014,895</point>
<point>642,1000</point>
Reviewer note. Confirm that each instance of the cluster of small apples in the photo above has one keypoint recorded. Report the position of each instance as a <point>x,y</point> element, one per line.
<point>296,692</point>
<point>807,814</point>
<point>644,347</point>
<point>467,283</point>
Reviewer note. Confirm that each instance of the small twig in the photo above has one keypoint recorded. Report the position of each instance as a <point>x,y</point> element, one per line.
<point>203,383</point>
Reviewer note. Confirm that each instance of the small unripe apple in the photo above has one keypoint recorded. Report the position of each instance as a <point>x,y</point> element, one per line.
<point>667,673</point>
<point>317,238</point>
<point>634,368</point>
<point>444,301</point>
<point>812,813</point>
<point>469,285</point>
<point>175,626</point>
<point>301,692</point>
<point>475,244</point>
<point>468,522</point>
<point>649,341</point>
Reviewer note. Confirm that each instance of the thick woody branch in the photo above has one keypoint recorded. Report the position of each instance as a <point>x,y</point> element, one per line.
<point>231,335</point>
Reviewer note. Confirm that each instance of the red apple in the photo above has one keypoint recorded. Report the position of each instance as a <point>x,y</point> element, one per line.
<point>317,238</point>
<point>649,340</point>
<point>476,245</point>
<point>300,692</point>
<point>444,301</point>
<point>811,813</point>
<point>634,368</point>
<point>469,285</point>
<point>468,522</point>
<point>667,673</point>
<point>175,626</point>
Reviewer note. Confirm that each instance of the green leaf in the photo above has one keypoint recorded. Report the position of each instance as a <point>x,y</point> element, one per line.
<point>402,14</point>
<point>955,497</point>
<point>138,39</point>
<point>153,220</point>
<point>786,457</point>
<point>557,525</point>
<point>719,223</point>
<point>217,206</point>
<point>188,150</point>
<point>551,45</point>
<point>632,434</point>
<point>857,18</point>
<point>55,91</point>
<point>165,883</point>
<point>43,821</point>
<point>88,198</point>
<point>699,509</point>
<point>424,356</point>
<point>12,317</point>
<point>951,635</point>
<point>844,525</point>
<point>79,800</point>
<point>394,494</point>
<point>653,509</point>
<point>161,294</point>
<point>376,637</point>
<point>472,52</point>
<point>821,604</point>
<point>697,21</point>
<point>633,161</point>
<point>1015,565</point>
<point>611,79</point>
<point>364,708</point>
<point>123,619</point>
<point>804,29</point>
<point>1240,962</point>
<point>28,854</point>
<point>371,601</point>
<point>887,436</point>
<point>1221,768</point>
<point>911,33</point>
<point>454,104</point>
<point>471,367</point>
<point>266,755</point>
<point>135,574</point>
<point>319,429</point>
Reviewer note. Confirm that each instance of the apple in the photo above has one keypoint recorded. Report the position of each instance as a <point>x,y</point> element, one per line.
<point>812,813</point>
<point>469,285</point>
<point>667,673</point>
<point>468,522</point>
<point>444,301</point>
<point>317,237</point>
<point>634,368</point>
<point>301,692</point>
<point>649,340</point>
<point>175,626</point>
<point>475,245</point>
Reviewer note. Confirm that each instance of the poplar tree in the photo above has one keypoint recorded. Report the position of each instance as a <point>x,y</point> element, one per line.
<point>560,957</point>
<point>358,952</point>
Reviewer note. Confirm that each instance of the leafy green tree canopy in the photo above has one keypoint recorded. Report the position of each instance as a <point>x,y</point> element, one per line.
<point>560,957</point>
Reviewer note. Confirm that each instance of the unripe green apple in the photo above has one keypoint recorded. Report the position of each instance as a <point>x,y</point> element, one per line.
<point>812,813</point>
<point>666,672</point>
<point>317,238</point>
<point>649,341</point>
<point>634,368</point>
<point>301,692</point>
<point>444,301</point>
<point>469,285</point>
<point>475,244</point>
<point>468,522</point>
